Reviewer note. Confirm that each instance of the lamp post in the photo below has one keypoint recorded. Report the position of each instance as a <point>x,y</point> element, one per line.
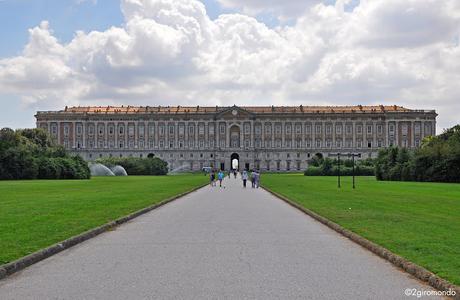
<point>353,155</point>
<point>338,167</point>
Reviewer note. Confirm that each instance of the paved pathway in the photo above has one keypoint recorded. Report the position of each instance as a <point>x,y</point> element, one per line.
<point>215,244</point>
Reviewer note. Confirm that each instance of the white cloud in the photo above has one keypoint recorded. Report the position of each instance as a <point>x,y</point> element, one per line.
<point>170,52</point>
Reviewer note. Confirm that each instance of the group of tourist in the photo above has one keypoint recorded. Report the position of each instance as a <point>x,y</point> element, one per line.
<point>253,176</point>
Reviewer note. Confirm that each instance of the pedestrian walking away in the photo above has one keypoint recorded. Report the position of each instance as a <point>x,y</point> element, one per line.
<point>257,179</point>
<point>234,173</point>
<point>220,176</point>
<point>253,179</point>
<point>212,178</point>
<point>244,176</point>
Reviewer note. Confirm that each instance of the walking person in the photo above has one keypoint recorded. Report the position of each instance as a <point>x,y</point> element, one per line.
<point>253,179</point>
<point>244,175</point>
<point>234,173</point>
<point>212,177</point>
<point>257,179</point>
<point>220,176</point>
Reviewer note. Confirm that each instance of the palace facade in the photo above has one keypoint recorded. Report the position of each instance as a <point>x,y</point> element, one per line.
<point>272,138</point>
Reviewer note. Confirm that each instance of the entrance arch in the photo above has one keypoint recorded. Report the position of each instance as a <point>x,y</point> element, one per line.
<point>235,161</point>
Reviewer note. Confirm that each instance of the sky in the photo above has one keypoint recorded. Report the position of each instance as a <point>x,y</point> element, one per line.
<point>57,53</point>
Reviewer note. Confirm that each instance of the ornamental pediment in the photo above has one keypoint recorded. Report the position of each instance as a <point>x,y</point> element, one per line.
<point>234,112</point>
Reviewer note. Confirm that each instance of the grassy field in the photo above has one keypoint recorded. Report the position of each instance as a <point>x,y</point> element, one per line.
<point>36,214</point>
<point>419,221</point>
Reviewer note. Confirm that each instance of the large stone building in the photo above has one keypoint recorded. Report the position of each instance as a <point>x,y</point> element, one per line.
<point>270,137</point>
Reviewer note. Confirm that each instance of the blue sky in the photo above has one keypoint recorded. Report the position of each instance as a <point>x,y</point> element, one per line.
<point>294,52</point>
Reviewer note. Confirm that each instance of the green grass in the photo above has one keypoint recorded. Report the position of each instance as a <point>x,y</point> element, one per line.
<point>38,213</point>
<point>419,221</point>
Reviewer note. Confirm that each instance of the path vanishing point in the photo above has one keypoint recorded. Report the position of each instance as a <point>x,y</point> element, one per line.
<point>215,243</point>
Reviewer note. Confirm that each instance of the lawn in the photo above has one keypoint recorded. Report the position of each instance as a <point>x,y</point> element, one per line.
<point>38,213</point>
<point>419,221</point>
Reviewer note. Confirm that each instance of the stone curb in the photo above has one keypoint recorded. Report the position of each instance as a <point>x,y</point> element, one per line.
<point>400,262</point>
<point>23,262</point>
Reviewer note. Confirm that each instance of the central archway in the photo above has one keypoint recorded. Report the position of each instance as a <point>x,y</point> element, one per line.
<point>235,161</point>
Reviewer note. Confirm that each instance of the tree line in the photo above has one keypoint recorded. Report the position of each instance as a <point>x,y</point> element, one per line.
<point>438,159</point>
<point>33,154</point>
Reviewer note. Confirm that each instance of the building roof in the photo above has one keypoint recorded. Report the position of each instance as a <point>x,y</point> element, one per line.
<point>217,109</point>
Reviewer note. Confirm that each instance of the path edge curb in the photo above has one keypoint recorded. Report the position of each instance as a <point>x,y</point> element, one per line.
<point>398,261</point>
<point>33,258</point>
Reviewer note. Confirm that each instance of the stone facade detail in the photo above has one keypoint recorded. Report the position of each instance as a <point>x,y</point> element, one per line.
<point>271,138</point>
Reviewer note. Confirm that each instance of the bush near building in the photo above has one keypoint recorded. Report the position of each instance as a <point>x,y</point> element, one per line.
<point>437,160</point>
<point>138,166</point>
<point>32,154</point>
<point>329,167</point>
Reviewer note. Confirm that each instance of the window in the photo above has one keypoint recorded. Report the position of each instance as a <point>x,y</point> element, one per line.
<point>318,143</point>
<point>359,144</point>
<point>338,144</point>
<point>101,144</point>
<point>288,143</point>
<point>258,143</point>
<point>308,143</point>
<point>162,144</point>
<point>298,144</point>
<point>298,129</point>
<point>141,144</point>
<point>222,143</point>
<point>369,129</point>
<point>379,129</point>
<point>201,129</point>
<point>131,144</point>
<point>247,128</point>
<point>111,130</point>
<point>211,143</point>
<point>349,129</point>
<point>268,144</point>
<point>246,143</point>
<point>66,130</point>
<point>211,128</point>
<point>328,129</point>
<point>278,143</point>
<point>328,143</point>
<point>417,143</point>
<point>171,144</point>
<point>392,129</point>
<point>288,128</point>
<point>318,129</point>
<point>298,166</point>
<point>380,143</point>
<point>258,129</point>
<point>91,129</point>
<point>171,129</point>
<point>278,166</point>
<point>404,130</point>
<point>308,129</point>
<point>151,143</point>
<point>121,144</point>
<point>268,129</point>
<point>79,129</point>
<point>191,143</point>
<point>359,129</point>
<point>417,129</point>
<point>338,129</point>
<point>201,143</point>
<point>101,129</point>
<point>288,165</point>
<point>161,129</point>
<point>151,129</point>
<point>369,144</point>
<point>278,129</point>
<point>121,129</point>
<point>141,129</point>
<point>131,130</point>
<point>349,143</point>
